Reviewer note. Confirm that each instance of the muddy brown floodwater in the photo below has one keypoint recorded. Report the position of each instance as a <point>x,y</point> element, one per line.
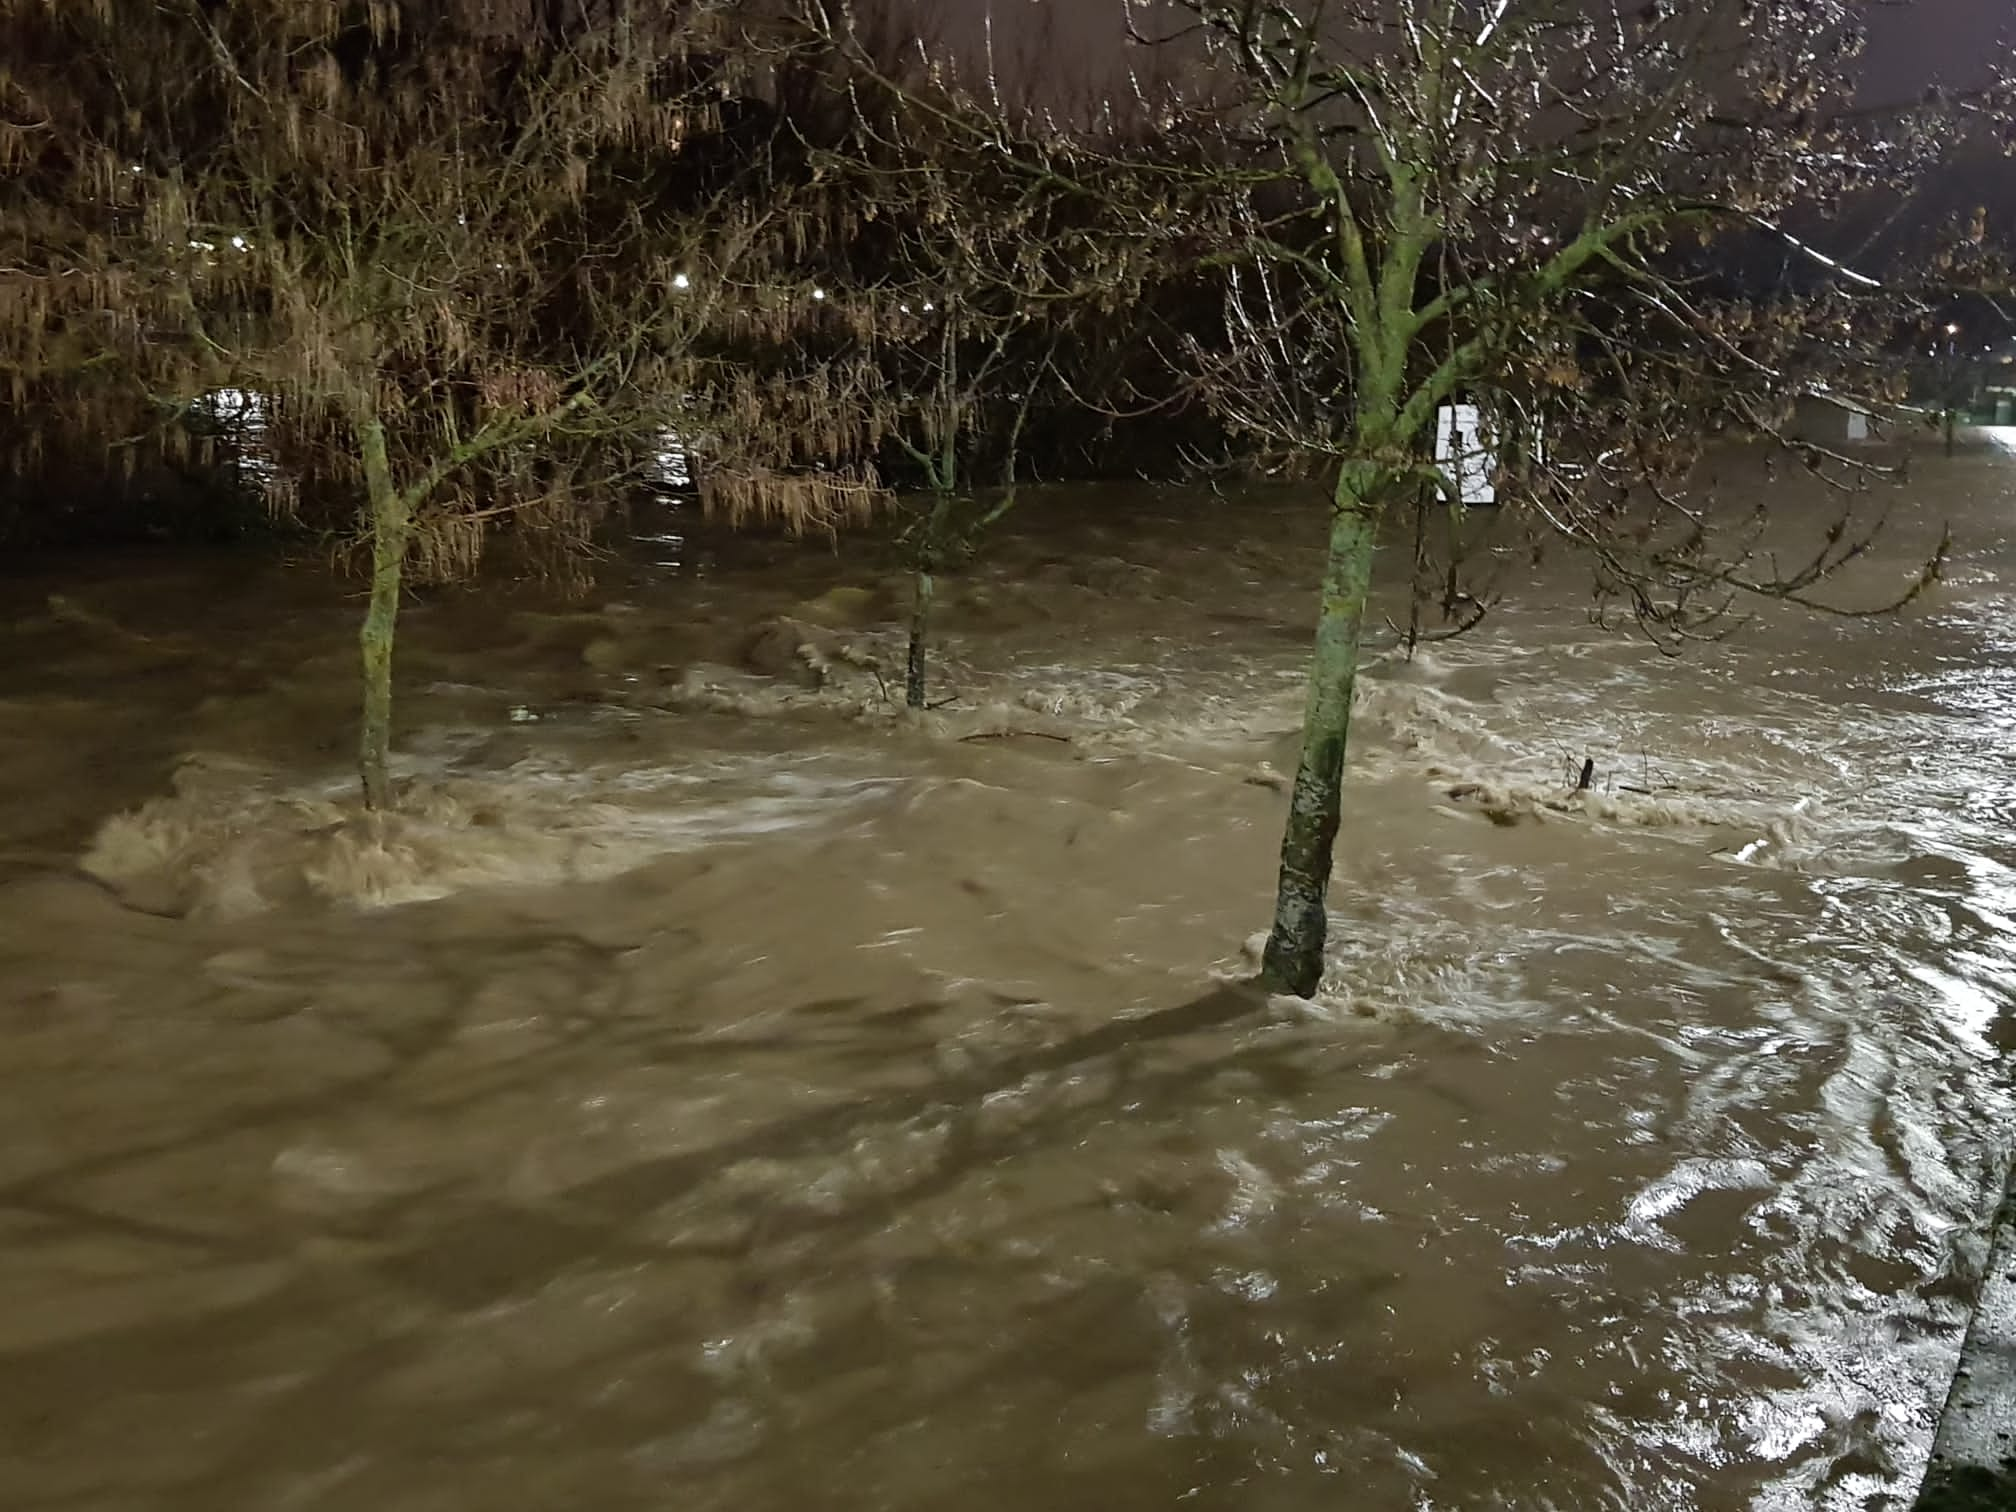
<point>717,1093</point>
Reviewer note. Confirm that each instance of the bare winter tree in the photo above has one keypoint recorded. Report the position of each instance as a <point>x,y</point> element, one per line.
<point>1014,219</point>
<point>1538,208</point>
<point>978,270</point>
<point>1543,209</point>
<point>464,255</point>
<point>962,365</point>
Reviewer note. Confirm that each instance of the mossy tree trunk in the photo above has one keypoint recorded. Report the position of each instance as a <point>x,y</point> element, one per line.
<point>1374,284</point>
<point>391,523</point>
<point>1293,961</point>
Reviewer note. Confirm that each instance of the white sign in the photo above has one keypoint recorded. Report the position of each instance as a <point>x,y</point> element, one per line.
<point>1462,453</point>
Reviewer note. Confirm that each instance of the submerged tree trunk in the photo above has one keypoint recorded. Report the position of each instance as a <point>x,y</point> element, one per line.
<point>391,519</point>
<point>914,682</point>
<point>1294,957</point>
<point>929,552</point>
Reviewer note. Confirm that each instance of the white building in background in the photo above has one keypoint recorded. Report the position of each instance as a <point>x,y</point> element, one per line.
<point>240,418</point>
<point>671,466</point>
<point>668,477</point>
<point>1466,454</point>
<point>1829,419</point>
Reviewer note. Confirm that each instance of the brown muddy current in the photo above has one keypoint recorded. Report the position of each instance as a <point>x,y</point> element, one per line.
<point>716,1093</point>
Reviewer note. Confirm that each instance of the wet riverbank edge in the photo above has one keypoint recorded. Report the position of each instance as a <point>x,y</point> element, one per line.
<point>1973,1465</point>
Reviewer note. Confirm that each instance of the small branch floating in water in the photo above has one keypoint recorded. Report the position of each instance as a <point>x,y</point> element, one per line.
<point>1264,776</point>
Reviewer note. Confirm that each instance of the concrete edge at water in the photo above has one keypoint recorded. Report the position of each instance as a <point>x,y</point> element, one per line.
<point>1973,1465</point>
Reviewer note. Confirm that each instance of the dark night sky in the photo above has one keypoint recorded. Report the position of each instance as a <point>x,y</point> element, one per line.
<point>1948,41</point>
<point>1912,46</point>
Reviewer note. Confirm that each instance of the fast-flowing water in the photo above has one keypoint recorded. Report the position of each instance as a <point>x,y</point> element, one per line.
<point>712,1092</point>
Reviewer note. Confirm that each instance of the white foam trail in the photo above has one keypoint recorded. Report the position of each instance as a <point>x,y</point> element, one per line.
<point>234,839</point>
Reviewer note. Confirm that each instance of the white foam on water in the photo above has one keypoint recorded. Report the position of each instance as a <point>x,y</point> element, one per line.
<point>235,839</point>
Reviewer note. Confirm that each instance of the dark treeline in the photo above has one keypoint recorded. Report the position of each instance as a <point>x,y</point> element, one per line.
<point>412,277</point>
<point>768,125</point>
